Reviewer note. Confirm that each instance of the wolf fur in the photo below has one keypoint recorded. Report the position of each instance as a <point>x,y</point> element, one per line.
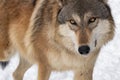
<point>49,33</point>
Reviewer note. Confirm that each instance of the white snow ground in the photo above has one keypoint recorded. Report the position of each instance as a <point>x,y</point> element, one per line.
<point>107,66</point>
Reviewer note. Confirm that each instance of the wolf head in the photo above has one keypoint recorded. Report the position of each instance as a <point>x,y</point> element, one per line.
<point>85,25</point>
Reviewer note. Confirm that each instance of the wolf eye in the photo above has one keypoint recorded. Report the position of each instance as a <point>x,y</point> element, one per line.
<point>72,22</point>
<point>91,20</point>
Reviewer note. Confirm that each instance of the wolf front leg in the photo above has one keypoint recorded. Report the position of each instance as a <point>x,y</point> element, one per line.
<point>87,75</point>
<point>43,72</point>
<point>21,69</point>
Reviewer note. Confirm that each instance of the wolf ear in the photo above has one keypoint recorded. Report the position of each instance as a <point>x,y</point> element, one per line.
<point>62,2</point>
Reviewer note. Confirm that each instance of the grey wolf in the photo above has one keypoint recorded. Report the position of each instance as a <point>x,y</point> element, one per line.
<point>55,34</point>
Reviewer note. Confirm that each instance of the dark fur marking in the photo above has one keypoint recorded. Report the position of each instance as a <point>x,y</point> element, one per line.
<point>43,16</point>
<point>95,43</point>
<point>34,2</point>
<point>4,64</point>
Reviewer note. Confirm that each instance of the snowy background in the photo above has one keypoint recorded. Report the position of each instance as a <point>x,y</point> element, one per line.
<point>107,66</point>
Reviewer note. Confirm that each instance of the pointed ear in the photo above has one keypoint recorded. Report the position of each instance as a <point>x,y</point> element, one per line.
<point>62,2</point>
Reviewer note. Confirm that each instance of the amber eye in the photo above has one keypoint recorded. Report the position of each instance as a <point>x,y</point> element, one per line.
<point>93,19</point>
<point>72,22</point>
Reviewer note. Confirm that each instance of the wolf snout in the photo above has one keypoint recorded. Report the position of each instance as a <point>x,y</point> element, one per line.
<point>84,49</point>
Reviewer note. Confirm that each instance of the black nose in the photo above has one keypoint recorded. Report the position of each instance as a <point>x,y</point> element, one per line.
<point>84,49</point>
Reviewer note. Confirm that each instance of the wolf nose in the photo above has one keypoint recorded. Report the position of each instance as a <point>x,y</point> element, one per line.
<point>84,50</point>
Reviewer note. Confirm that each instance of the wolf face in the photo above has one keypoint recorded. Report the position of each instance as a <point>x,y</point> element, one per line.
<point>85,25</point>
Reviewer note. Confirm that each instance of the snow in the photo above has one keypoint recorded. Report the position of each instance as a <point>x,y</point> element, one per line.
<point>107,66</point>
